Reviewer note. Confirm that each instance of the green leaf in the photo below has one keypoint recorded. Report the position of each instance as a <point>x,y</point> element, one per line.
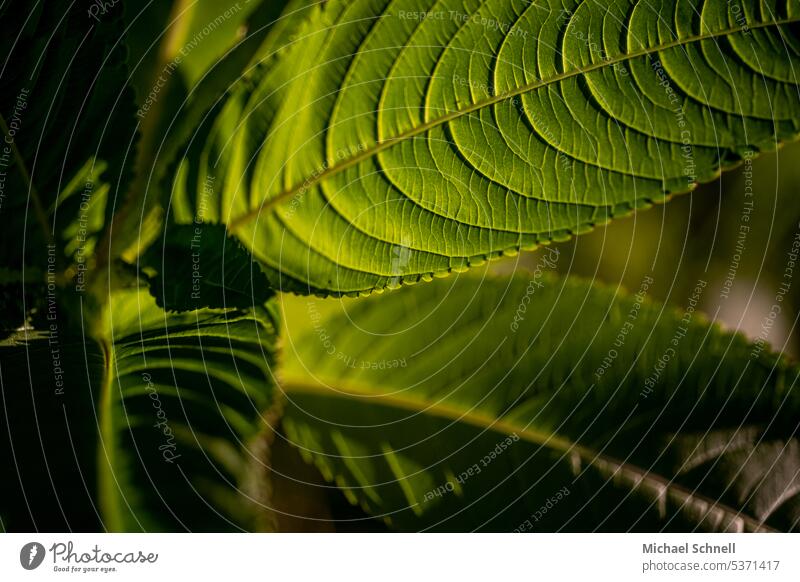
<point>455,131</point>
<point>202,59</point>
<point>198,266</point>
<point>541,403</point>
<point>161,427</point>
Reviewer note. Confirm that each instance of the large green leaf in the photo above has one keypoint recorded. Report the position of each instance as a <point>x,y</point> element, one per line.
<point>162,426</point>
<point>187,60</point>
<point>452,131</point>
<point>542,403</point>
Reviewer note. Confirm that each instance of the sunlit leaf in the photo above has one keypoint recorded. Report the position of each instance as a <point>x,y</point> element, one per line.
<point>542,404</point>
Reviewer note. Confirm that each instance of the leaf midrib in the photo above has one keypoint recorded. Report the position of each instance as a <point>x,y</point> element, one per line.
<point>108,488</point>
<point>380,146</point>
<point>291,386</point>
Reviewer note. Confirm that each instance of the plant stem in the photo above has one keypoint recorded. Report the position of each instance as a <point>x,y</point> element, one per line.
<point>107,486</point>
<point>126,223</point>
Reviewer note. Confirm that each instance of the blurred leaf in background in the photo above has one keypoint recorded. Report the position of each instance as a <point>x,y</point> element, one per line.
<point>735,233</point>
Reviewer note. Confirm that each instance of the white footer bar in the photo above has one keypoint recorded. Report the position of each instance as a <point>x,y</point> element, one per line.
<point>399,557</point>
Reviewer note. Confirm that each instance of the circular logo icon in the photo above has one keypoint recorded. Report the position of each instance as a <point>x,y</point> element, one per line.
<point>31,555</point>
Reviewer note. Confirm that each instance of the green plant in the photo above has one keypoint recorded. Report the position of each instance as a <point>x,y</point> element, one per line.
<point>180,228</point>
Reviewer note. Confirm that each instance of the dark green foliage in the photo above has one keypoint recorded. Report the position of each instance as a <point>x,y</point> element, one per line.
<point>652,420</point>
<point>199,266</point>
<point>166,169</point>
